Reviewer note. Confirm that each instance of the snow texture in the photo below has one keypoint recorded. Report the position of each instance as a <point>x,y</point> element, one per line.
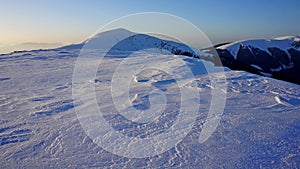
<point>260,126</point>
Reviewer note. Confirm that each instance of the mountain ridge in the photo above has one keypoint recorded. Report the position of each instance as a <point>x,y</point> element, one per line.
<point>278,58</point>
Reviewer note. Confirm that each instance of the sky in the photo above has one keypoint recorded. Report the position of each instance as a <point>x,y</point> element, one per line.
<point>49,23</point>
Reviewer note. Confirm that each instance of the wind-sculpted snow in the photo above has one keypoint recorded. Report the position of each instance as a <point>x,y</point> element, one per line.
<point>260,126</point>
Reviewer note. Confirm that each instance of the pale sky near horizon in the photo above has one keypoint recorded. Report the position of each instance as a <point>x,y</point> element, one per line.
<point>60,22</point>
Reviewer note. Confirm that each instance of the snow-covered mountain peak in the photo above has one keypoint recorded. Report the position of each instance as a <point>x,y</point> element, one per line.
<point>119,32</point>
<point>144,41</point>
<point>124,40</point>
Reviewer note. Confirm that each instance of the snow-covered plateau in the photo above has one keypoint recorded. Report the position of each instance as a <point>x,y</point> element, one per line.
<point>39,127</point>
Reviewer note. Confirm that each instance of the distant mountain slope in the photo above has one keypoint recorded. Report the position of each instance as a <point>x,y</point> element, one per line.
<point>278,58</point>
<point>124,40</point>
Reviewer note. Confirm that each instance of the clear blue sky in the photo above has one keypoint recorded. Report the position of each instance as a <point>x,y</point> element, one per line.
<point>72,21</point>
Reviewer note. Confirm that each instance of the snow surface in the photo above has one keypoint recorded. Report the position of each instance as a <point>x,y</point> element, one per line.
<point>39,127</point>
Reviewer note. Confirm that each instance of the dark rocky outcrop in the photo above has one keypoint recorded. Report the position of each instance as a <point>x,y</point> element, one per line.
<point>283,64</point>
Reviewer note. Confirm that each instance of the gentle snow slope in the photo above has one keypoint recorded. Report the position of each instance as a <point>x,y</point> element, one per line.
<point>39,127</point>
